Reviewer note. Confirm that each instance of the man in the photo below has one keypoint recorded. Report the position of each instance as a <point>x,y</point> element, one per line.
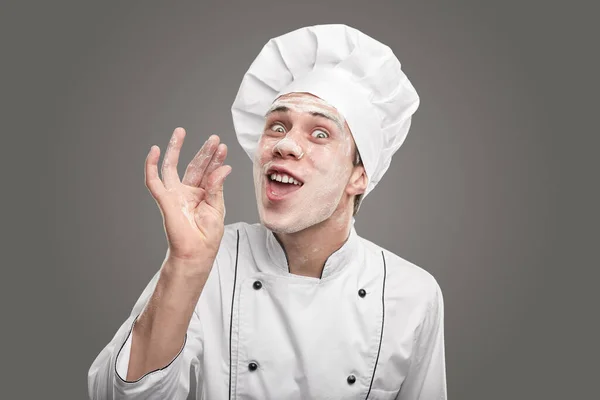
<point>298,306</point>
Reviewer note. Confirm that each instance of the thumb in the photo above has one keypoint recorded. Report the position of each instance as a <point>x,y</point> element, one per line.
<point>214,189</point>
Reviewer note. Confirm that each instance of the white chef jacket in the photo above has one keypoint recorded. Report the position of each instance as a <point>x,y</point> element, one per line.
<point>372,327</point>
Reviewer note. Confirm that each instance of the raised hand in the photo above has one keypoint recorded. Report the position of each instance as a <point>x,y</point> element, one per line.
<point>193,209</point>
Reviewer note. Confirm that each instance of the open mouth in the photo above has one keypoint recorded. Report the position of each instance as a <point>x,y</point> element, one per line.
<point>281,183</point>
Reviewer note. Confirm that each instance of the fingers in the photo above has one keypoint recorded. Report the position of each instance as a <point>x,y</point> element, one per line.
<point>196,169</point>
<point>215,163</point>
<point>214,189</point>
<point>153,182</point>
<point>169,165</point>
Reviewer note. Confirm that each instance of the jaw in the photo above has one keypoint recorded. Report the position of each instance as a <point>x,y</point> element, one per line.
<point>293,217</point>
<point>279,221</point>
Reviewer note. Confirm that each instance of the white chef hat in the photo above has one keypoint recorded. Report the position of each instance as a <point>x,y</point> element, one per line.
<point>351,71</point>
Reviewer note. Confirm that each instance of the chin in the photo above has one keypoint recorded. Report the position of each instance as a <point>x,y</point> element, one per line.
<point>285,223</point>
<point>280,224</point>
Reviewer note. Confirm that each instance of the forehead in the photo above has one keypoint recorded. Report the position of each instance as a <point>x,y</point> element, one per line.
<point>308,103</point>
<point>306,99</point>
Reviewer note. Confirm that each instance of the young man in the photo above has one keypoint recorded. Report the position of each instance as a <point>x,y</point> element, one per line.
<point>298,306</point>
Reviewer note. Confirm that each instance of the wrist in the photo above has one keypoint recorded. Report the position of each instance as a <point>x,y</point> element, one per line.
<point>179,269</point>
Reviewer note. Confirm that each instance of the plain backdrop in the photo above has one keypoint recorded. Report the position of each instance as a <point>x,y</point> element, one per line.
<point>494,191</point>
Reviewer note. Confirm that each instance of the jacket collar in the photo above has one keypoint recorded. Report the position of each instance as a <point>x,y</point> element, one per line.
<point>342,257</point>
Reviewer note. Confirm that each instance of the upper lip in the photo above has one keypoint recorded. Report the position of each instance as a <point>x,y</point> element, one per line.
<point>282,170</point>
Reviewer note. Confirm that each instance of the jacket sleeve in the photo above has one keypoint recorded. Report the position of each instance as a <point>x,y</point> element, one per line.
<point>426,378</point>
<point>107,375</point>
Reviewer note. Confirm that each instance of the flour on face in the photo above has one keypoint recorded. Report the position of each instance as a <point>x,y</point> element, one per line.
<point>309,138</point>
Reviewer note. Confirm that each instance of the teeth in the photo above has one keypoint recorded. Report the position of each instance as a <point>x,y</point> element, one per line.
<point>284,179</point>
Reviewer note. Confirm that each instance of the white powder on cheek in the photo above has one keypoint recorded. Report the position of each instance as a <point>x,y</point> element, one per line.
<point>319,199</point>
<point>257,174</point>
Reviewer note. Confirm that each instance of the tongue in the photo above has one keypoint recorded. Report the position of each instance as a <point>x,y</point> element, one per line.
<point>281,189</point>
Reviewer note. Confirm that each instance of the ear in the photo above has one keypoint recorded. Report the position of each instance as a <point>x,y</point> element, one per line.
<point>358,181</point>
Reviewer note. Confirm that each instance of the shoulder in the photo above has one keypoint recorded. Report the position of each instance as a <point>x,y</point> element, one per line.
<point>413,296</point>
<point>404,278</point>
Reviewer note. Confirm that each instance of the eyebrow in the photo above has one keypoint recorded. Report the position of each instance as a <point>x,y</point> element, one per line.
<point>313,113</point>
<point>277,109</point>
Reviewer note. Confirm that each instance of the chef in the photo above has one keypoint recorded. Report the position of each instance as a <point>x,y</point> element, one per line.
<point>298,306</point>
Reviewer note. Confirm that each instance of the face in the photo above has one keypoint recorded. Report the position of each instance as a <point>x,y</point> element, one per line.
<point>306,139</point>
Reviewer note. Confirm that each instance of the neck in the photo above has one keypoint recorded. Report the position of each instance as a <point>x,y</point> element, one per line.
<point>308,250</point>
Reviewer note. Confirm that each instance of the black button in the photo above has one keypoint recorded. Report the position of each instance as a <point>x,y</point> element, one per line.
<point>252,366</point>
<point>362,292</point>
<point>351,379</point>
<point>257,285</point>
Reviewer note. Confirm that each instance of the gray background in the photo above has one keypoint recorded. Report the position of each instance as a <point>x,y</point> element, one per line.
<point>494,191</point>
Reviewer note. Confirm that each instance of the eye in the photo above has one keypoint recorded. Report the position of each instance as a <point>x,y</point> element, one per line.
<point>277,128</point>
<point>319,134</point>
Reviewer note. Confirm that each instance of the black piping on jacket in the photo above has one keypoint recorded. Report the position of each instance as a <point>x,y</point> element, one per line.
<point>382,323</point>
<point>237,251</point>
<point>237,248</point>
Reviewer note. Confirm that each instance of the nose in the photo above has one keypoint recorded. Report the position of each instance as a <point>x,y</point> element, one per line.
<point>288,148</point>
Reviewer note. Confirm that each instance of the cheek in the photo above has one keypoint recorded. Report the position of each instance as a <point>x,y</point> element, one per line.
<point>342,166</point>
<point>263,151</point>
<point>346,147</point>
<point>259,160</point>
<point>331,160</point>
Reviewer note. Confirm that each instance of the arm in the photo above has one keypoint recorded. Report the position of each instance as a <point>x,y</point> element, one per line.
<point>107,377</point>
<point>143,360</point>
<point>159,331</point>
<point>426,379</point>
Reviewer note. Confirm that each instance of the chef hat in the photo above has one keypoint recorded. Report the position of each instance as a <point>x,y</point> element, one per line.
<point>351,71</point>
